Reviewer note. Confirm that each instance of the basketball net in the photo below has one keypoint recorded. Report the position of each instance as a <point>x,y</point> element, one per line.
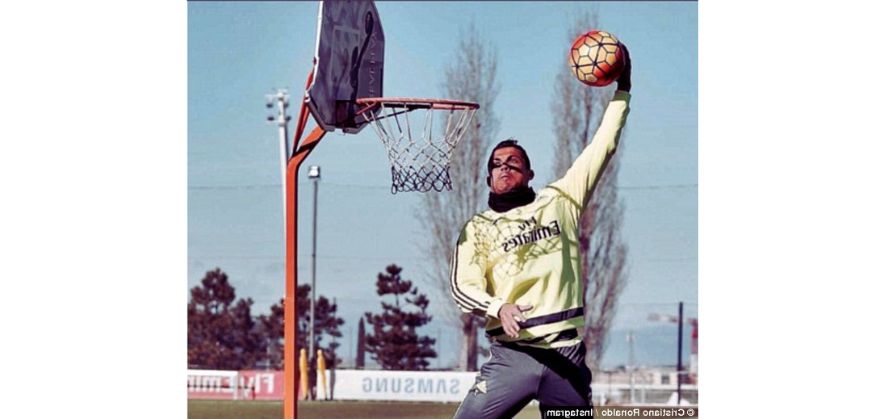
<point>419,135</point>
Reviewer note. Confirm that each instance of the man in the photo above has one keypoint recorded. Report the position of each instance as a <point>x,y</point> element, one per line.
<point>518,263</point>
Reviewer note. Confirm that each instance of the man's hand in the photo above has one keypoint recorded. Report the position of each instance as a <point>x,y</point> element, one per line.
<point>510,314</point>
<point>624,80</point>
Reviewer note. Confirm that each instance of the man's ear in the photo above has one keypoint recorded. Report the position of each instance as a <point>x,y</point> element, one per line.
<point>531,174</point>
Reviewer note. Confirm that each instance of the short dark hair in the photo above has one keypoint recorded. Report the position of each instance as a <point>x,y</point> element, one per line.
<point>510,142</point>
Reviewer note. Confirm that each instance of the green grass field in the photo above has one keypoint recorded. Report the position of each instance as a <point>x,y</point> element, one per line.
<point>230,409</point>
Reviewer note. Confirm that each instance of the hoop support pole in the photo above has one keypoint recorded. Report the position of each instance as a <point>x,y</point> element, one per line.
<point>290,303</point>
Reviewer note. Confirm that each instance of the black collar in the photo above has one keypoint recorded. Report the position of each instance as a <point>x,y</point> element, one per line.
<point>509,200</point>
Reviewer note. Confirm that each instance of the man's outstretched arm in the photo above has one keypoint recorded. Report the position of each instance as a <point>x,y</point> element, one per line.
<point>581,178</point>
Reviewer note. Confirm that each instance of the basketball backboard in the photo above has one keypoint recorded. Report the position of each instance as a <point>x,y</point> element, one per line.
<point>348,65</point>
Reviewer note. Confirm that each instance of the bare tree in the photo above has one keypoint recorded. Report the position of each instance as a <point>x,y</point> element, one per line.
<point>577,110</point>
<point>471,76</point>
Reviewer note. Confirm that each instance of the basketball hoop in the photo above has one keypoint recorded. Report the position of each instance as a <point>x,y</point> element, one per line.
<point>419,152</point>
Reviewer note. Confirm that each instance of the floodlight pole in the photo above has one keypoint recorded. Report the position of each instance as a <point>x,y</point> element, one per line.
<point>632,365</point>
<point>679,360</point>
<point>314,174</point>
<point>290,303</point>
<point>281,98</point>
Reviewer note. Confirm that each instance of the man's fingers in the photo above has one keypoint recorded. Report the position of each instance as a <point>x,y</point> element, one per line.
<point>510,316</point>
<point>518,315</point>
<point>511,328</point>
<point>512,333</point>
<point>516,319</point>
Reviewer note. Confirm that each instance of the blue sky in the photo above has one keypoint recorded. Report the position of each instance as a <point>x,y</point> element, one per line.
<point>238,52</point>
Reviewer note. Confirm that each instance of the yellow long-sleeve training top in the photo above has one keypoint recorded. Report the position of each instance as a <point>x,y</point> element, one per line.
<point>530,254</point>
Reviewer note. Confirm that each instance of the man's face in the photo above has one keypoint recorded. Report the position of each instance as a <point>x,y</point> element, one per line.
<point>509,170</point>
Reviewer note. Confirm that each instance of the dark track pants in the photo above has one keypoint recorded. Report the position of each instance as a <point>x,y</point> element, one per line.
<point>517,374</point>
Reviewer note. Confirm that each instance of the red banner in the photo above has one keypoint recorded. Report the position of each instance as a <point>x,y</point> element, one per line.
<point>235,385</point>
<point>264,385</point>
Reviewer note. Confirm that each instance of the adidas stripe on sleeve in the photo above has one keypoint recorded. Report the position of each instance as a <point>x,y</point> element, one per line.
<point>468,281</point>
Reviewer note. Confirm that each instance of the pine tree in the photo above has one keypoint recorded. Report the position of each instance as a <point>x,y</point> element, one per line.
<point>271,326</point>
<point>394,342</point>
<point>221,334</point>
<point>327,324</point>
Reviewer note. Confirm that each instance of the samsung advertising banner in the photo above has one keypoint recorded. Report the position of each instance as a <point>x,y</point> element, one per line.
<point>431,386</point>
